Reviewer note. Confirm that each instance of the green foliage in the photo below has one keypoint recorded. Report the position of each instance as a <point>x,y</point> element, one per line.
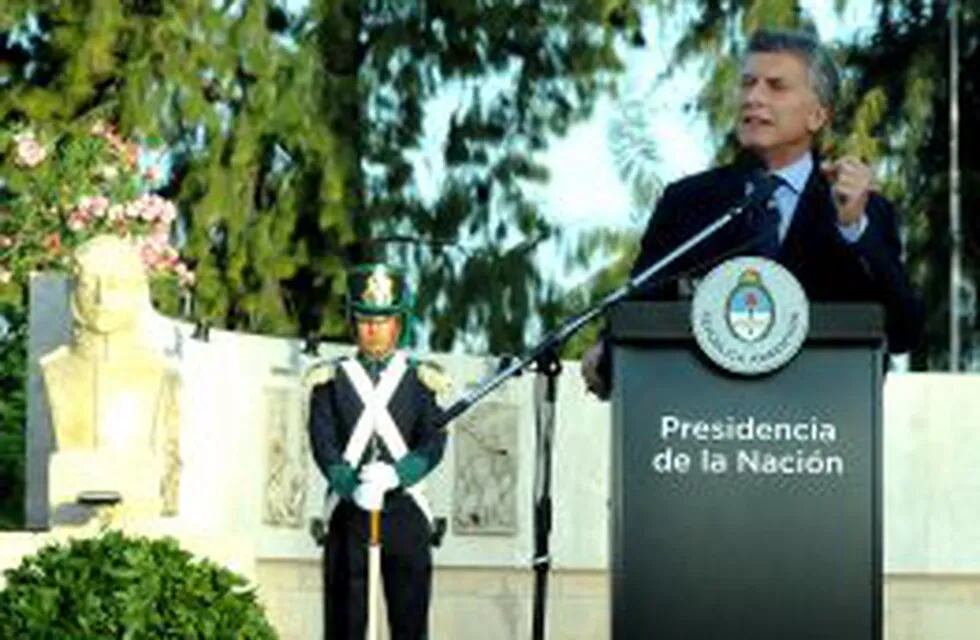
<point>714,37</point>
<point>862,140</point>
<point>524,72</point>
<point>293,138</point>
<point>116,586</point>
<point>908,61</point>
<point>636,155</point>
<point>624,245</point>
<point>13,413</point>
<point>59,189</point>
<point>236,95</point>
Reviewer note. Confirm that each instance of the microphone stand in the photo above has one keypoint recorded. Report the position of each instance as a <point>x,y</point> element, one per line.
<point>548,368</point>
<point>544,359</point>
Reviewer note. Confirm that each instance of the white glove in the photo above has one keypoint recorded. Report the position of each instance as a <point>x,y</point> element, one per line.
<point>381,474</point>
<point>369,496</point>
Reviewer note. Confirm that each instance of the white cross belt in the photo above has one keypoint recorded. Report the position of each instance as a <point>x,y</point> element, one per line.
<point>375,417</point>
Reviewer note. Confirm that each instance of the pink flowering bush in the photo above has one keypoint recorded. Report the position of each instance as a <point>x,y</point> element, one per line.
<point>56,192</point>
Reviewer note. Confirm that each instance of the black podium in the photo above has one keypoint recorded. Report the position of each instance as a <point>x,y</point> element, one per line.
<point>746,508</point>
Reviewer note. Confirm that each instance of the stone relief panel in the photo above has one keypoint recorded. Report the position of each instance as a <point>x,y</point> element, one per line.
<point>486,467</point>
<point>287,457</point>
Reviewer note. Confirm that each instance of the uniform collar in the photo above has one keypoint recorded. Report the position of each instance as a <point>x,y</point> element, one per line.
<point>374,365</point>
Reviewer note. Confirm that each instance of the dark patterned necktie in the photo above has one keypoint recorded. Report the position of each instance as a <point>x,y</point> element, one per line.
<point>764,225</point>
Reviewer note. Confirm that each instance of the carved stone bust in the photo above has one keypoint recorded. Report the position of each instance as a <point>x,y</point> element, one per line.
<point>113,399</point>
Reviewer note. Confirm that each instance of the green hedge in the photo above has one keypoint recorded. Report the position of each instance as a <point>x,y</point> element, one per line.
<point>131,588</point>
<point>11,481</point>
<point>13,413</point>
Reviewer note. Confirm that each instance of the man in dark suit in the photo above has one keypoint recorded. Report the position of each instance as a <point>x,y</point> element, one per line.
<point>824,222</point>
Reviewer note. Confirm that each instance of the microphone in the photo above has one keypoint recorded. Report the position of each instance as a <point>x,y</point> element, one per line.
<point>759,189</point>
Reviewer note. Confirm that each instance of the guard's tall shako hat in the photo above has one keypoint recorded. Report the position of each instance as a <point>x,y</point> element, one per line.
<point>377,289</point>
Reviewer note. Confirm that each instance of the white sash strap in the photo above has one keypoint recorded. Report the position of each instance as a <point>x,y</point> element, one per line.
<point>375,417</point>
<point>417,491</point>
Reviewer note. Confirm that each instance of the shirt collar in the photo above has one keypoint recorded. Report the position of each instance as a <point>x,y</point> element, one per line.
<point>796,174</point>
<point>374,365</point>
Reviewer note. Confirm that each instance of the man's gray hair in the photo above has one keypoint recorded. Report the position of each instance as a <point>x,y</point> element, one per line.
<point>822,71</point>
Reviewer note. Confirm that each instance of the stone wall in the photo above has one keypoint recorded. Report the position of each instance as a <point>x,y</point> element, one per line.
<point>496,604</point>
<point>247,475</point>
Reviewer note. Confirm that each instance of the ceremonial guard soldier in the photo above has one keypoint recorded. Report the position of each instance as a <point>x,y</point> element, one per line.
<point>373,428</point>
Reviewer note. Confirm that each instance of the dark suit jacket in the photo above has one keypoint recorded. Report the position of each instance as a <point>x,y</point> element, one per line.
<point>828,267</point>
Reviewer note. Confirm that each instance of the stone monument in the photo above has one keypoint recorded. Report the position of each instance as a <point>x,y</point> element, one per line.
<point>113,399</point>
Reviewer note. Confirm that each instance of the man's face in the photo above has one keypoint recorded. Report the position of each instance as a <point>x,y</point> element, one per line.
<point>106,301</point>
<point>377,336</point>
<point>779,113</point>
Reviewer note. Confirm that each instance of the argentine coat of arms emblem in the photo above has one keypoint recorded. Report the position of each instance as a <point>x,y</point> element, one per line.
<point>750,315</point>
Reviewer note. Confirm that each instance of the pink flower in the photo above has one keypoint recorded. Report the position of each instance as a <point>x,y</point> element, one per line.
<point>29,152</point>
<point>184,275</point>
<point>94,206</point>
<point>157,254</point>
<point>133,209</point>
<point>152,173</point>
<point>160,233</point>
<point>78,220</point>
<point>153,208</point>
<point>169,257</point>
<point>52,242</point>
<point>168,212</point>
<point>149,255</point>
<point>149,205</point>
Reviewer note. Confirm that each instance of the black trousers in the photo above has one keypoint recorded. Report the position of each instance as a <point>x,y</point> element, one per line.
<point>406,570</point>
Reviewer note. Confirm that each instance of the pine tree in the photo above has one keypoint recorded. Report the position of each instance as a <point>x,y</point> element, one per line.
<point>236,95</point>
<point>293,136</point>
<point>522,73</point>
<point>907,64</point>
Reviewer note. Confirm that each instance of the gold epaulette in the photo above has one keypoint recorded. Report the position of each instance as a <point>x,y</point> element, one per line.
<point>434,377</point>
<point>319,372</point>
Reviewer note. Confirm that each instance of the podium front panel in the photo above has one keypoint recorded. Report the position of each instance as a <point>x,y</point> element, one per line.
<point>746,507</point>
